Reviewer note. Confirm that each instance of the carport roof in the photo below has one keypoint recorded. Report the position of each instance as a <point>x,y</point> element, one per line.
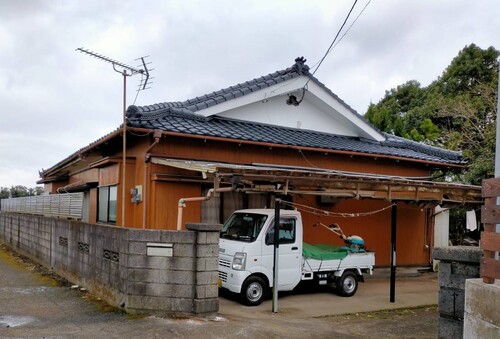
<point>337,184</point>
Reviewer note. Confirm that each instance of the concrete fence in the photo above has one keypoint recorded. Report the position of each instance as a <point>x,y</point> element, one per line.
<point>140,271</point>
<point>457,264</point>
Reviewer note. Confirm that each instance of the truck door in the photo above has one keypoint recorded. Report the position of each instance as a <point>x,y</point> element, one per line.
<point>290,252</point>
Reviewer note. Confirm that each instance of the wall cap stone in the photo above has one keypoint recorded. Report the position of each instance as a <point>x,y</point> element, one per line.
<point>200,227</point>
<point>470,254</point>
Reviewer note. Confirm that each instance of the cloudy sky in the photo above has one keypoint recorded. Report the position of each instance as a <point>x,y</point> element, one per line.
<point>54,100</point>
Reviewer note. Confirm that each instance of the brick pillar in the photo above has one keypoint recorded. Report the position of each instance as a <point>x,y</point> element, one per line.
<point>206,261</point>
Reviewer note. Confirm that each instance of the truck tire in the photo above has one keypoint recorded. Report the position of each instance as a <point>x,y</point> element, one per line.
<point>253,291</point>
<point>347,284</point>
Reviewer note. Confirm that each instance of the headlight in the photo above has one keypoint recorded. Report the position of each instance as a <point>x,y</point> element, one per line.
<point>239,261</point>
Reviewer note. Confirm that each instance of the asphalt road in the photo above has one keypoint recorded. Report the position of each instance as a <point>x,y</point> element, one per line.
<point>36,304</point>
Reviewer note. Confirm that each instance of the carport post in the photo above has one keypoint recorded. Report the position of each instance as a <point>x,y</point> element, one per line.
<point>394,213</point>
<point>276,253</point>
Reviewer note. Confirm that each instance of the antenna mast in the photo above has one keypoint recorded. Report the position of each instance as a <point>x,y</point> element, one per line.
<point>126,71</point>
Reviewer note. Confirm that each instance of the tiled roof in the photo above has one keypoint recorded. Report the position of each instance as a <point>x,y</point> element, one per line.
<point>180,117</point>
<point>226,94</point>
<point>222,127</point>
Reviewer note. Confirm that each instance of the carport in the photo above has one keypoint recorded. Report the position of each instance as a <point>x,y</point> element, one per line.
<point>290,180</point>
<point>282,180</point>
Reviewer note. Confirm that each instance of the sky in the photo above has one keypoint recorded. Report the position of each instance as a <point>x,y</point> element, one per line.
<point>55,100</point>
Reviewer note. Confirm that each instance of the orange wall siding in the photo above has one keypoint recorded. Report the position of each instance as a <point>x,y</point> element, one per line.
<point>246,154</point>
<point>109,175</point>
<point>165,202</point>
<point>90,175</point>
<point>375,229</point>
<point>93,206</point>
<point>52,187</point>
<point>130,183</point>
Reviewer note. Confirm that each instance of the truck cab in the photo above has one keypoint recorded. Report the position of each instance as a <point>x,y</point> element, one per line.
<point>246,248</point>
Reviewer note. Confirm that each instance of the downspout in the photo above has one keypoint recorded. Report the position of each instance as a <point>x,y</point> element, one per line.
<point>210,193</point>
<point>157,135</point>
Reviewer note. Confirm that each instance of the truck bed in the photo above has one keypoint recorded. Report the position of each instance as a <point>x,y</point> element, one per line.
<point>362,260</point>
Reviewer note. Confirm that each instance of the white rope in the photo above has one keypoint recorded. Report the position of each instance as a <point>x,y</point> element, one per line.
<point>319,212</point>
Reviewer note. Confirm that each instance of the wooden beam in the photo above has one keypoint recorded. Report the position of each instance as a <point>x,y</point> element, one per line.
<point>490,268</point>
<point>488,255</point>
<point>490,214</point>
<point>490,241</point>
<point>491,188</point>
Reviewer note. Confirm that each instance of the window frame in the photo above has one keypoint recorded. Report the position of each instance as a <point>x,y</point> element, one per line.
<point>269,240</point>
<point>107,198</point>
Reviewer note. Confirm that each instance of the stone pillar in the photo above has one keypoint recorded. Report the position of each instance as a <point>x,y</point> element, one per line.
<point>206,262</point>
<point>457,263</point>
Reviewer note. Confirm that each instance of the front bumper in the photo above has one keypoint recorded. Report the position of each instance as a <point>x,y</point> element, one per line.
<point>229,278</point>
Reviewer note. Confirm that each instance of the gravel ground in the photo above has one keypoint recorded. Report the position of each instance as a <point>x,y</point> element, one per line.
<point>36,303</point>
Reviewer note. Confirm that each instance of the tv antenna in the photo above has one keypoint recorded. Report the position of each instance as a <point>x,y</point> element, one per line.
<point>126,71</point>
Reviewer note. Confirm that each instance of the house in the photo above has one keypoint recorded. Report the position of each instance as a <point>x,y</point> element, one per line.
<point>284,134</point>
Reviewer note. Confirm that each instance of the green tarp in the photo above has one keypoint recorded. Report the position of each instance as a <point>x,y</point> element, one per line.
<point>323,251</point>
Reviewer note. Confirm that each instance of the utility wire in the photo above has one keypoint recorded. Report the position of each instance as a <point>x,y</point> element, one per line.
<point>334,40</point>
<point>349,28</point>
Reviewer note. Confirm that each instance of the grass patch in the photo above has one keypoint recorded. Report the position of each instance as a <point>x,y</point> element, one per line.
<point>385,314</point>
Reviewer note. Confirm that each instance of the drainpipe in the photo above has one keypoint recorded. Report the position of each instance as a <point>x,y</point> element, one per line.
<point>157,135</point>
<point>182,202</point>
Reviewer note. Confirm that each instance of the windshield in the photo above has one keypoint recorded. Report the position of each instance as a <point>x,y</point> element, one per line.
<point>243,226</point>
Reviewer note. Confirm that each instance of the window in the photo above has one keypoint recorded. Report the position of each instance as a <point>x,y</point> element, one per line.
<point>243,226</point>
<point>107,204</point>
<point>287,232</point>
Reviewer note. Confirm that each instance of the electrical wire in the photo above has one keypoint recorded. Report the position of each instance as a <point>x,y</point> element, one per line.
<point>139,135</point>
<point>332,46</point>
<point>334,40</point>
<point>138,90</point>
<point>352,24</point>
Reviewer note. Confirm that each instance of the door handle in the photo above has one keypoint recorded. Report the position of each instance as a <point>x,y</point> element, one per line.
<point>294,248</point>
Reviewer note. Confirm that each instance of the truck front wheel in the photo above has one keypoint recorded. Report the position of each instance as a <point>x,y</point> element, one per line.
<point>347,284</point>
<point>253,291</point>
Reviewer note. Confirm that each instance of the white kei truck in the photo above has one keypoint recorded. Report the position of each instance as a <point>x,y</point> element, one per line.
<point>246,256</point>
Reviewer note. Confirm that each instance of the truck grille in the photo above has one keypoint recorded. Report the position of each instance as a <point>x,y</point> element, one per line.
<point>224,263</point>
<point>223,276</point>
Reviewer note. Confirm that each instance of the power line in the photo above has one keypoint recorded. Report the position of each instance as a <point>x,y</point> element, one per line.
<point>334,40</point>
<point>350,26</point>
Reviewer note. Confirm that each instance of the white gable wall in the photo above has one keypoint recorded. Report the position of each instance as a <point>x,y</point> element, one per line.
<point>305,116</point>
<point>319,111</point>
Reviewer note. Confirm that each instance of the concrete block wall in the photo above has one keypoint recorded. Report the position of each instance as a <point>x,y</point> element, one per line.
<point>482,310</point>
<point>457,264</point>
<point>113,262</point>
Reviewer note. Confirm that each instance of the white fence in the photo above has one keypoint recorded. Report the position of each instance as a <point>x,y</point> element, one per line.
<point>67,205</point>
